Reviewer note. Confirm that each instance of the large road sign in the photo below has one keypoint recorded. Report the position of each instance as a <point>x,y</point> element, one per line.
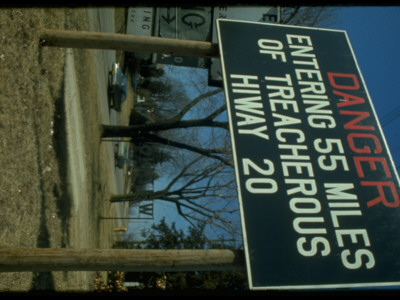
<point>319,194</point>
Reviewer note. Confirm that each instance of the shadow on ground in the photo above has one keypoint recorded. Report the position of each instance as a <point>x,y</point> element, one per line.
<point>62,193</point>
<point>44,280</point>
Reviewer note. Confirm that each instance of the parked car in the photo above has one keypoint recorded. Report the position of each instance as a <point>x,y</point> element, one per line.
<point>116,87</point>
<point>121,154</point>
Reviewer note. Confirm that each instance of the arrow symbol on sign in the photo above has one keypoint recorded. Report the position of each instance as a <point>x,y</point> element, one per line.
<point>168,18</point>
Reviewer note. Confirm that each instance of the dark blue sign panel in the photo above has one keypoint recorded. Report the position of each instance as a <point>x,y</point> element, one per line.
<point>318,190</point>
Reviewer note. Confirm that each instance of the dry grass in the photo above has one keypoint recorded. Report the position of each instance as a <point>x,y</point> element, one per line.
<point>35,202</point>
<point>30,84</point>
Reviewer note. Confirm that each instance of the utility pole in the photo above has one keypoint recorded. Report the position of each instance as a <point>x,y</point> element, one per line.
<point>125,42</point>
<point>138,260</point>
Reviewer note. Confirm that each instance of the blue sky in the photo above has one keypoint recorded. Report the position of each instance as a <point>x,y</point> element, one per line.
<point>374,35</point>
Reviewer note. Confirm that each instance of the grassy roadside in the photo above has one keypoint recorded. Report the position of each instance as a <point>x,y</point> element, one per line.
<point>35,200</point>
<point>30,81</point>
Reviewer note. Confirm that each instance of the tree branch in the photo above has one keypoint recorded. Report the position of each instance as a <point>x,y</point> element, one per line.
<point>152,138</point>
<point>195,101</point>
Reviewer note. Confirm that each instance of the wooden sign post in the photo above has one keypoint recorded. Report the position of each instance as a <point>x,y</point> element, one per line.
<point>125,42</point>
<point>138,260</point>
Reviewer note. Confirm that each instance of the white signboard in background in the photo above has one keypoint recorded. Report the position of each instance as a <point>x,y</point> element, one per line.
<point>140,22</point>
<point>192,23</point>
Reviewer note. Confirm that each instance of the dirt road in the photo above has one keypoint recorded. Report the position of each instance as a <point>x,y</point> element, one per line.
<point>100,20</point>
<point>103,20</point>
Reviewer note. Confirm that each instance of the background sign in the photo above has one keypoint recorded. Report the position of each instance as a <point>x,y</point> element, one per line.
<point>140,21</point>
<point>318,190</point>
<point>192,23</point>
<point>198,24</point>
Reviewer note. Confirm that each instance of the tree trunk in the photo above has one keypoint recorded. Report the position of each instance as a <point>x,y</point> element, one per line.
<point>109,131</point>
<point>133,198</point>
<point>146,137</point>
<point>137,130</point>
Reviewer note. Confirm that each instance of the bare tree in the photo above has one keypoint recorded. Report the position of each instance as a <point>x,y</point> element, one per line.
<point>309,15</point>
<point>151,133</point>
<point>203,191</point>
<point>175,122</point>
